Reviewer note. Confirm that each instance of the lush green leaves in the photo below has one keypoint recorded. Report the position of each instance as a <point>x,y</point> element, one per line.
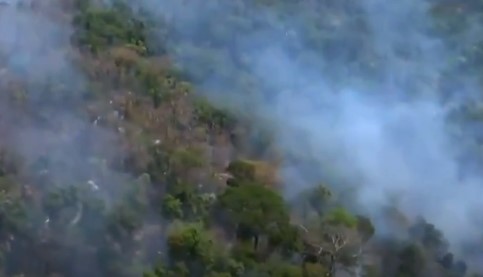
<point>254,209</point>
<point>101,28</point>
<point>341,217</point>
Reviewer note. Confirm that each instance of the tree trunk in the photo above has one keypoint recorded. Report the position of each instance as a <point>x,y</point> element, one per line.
<point>331,272</point>
<point>255,242</point>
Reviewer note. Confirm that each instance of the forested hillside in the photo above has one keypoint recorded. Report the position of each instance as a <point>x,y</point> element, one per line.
<point>223,138</point>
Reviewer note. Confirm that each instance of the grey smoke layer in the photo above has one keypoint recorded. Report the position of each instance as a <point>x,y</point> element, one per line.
<point>378,124</point>
<point>58,140</point>
<point>41,122</point>
<point>368,113</point>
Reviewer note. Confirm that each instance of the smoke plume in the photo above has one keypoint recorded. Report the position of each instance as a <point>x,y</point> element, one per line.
<point>371,110</point>
<point>42,122</point>
<point>366,106</point>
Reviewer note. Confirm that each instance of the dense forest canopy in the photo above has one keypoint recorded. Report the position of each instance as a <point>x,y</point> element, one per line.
<point>241,138</point>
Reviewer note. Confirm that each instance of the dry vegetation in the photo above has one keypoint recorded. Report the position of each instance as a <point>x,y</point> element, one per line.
<point>203,200</point>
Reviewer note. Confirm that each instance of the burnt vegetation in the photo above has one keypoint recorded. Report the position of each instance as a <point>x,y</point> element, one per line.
<point>203,201</point>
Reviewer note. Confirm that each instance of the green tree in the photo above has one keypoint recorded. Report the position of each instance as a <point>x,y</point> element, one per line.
<point>411,261</point>
<point>319,198</point>
<point>314,270</point>
<point>185,201</point>
<point>430,237</point>
<point>242,170</point>
<point>192,245</point>
<point>172,207</point>
<point>332,240</point>
<point>313,202</point>
<point>212,117</point>
<point>365,228</point>
<point>101,28</point>
<point>254,210</point>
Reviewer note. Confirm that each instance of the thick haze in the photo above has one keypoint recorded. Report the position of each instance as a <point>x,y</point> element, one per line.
<point>386,135</point>
<point>58,140</point>
<point>383,132</point>
<point>41,124</point>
